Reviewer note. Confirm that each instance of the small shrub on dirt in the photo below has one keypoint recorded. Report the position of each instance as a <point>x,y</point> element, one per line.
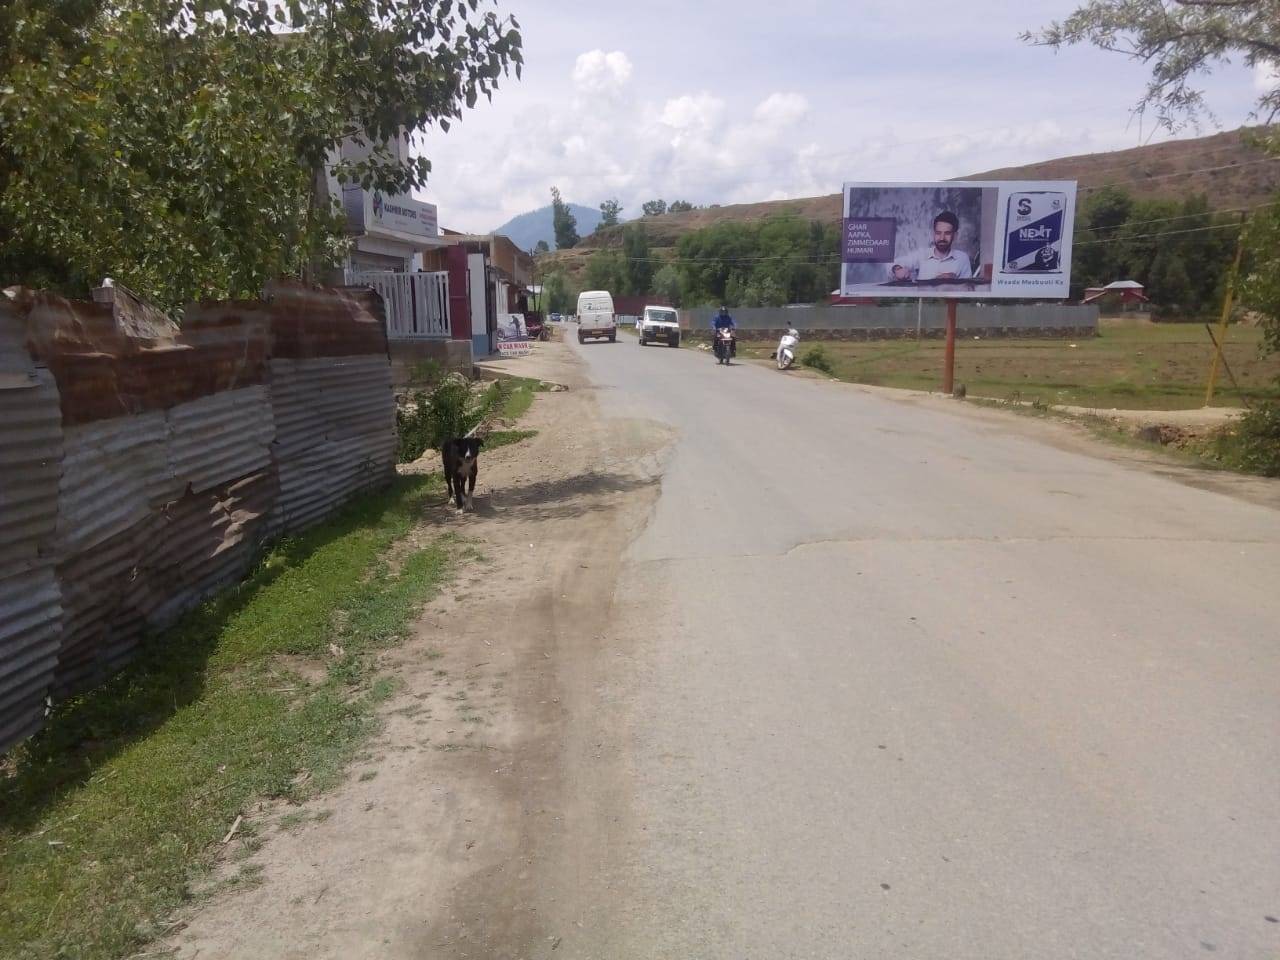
<point>817,358</point>
<point>1252,444</point>
<point>431,418</point>
<point>427,372</point>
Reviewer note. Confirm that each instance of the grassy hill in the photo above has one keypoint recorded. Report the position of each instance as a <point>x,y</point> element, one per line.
<point>1226,167</point>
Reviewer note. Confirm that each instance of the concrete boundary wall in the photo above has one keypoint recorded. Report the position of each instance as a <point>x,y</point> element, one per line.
<point>897,320</point>
<point>143,466</point>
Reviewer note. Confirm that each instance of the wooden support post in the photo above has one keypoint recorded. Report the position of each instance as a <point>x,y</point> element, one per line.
<point>949,373</point>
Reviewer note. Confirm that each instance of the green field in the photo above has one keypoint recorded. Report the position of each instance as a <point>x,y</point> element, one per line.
<point>1140,367</point>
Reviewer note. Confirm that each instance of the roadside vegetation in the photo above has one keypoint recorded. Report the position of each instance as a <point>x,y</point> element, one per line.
<point>1252,444</point>
<point>1127,366</point>
<point>454,407</point>
<point>115,815</point>
<point>105,174</point>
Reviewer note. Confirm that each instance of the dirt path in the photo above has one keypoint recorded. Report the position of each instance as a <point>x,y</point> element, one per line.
<point>403,858</point>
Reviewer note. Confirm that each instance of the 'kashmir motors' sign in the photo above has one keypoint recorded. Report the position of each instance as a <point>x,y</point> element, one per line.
<point>957,239</point>
<point>404,215</point>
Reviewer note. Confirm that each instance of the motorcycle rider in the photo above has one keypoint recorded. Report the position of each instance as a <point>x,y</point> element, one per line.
<point>721,321</point>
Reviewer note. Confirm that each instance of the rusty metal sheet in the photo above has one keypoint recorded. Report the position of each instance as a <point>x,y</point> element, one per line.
<point>94,582</point>
<point>113,471</point>
<point>30,466</point>
<point>200,543</point>
<point>30,617</point>
<point>335,433</point>
<point>311,323</point>
<point>219,438</point>
<point>143,466</point>
<point>104,371</point>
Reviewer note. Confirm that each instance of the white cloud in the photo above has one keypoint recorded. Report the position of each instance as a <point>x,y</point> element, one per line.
<point>697,112</point>
<point>782,109</point>
<point>600,72</point>
<point>655,119</point>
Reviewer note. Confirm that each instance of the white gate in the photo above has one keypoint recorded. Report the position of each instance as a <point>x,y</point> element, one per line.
<point>417,304</point>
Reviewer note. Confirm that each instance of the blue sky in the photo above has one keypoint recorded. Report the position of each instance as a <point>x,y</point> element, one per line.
<point>732,102</point>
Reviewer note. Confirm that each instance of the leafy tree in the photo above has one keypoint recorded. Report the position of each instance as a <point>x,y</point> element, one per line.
<point>558,295</point>
<point>563,222</point>
<point>653,208</point>
<point>181,146</point>
<point>542,247</point>
<point>605,272</point>
<point>1179,41</point>
<point>1166,245</point>
<point>666,284</point>
<point>679,206</point>
<point>609,211</point>
<point>637,268</point>
<point>778,260</point>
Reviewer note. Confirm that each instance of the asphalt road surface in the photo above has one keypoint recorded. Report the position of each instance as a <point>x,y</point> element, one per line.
<point>907,684</point>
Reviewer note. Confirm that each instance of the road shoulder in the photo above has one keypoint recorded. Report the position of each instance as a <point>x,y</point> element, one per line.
<point>437,842</point>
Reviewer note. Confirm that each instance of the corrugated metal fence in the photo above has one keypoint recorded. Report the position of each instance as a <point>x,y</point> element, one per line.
<point>142,466</point>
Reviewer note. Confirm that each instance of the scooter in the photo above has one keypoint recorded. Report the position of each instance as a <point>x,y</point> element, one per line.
<point>786,352</point>
<point>725,346</point>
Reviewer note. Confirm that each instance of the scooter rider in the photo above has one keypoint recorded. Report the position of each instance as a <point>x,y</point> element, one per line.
<point>720,322</point>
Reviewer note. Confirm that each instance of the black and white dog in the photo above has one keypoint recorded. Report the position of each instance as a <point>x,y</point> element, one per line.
<point>461,465</point>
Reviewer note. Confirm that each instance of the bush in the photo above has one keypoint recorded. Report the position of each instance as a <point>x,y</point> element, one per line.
<point>818,358</point>
<point>431,418</point>
<point>427,372</point>
<point>1252,444</point>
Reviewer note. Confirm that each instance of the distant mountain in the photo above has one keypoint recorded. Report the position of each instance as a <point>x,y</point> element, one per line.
<point>528,228</point>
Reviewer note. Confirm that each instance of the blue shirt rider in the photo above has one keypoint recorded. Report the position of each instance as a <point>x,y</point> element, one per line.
<point>722,321</point>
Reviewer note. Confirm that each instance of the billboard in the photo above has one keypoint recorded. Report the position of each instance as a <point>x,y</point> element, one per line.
<point>974,240</point>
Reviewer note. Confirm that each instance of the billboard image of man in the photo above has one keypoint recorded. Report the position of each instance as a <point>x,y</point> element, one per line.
<point>941,260</point>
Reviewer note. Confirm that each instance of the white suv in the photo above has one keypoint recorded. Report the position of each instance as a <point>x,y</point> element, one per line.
<point>659,323</point>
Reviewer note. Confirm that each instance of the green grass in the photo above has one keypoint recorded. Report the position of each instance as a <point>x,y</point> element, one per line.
<point>517,398</point>
<point>1155,367</point>
<point>502,438</point>
<point>111,817</point>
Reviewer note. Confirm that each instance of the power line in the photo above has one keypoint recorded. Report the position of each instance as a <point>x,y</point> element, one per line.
<point>1184,216</point>
<point>1151,159</point>
<point>835,259</point>
<point>1081,190</point>
<point>1184,173</point>
<point>1162,233</point>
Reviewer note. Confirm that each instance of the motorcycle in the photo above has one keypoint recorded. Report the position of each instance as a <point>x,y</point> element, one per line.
<point>786,352</point>
<point>726,345</point>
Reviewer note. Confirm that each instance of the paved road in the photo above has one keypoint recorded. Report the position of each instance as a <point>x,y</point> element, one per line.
<point>905,684</point>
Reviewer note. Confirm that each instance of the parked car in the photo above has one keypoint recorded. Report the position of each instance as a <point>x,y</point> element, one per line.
<point>659,323</point>
<point>596,317</point>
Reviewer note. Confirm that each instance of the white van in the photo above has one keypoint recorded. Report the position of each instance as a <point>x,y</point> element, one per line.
<point>595,316</point>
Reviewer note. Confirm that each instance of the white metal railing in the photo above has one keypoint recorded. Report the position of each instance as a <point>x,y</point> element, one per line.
<point>416,304</point>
